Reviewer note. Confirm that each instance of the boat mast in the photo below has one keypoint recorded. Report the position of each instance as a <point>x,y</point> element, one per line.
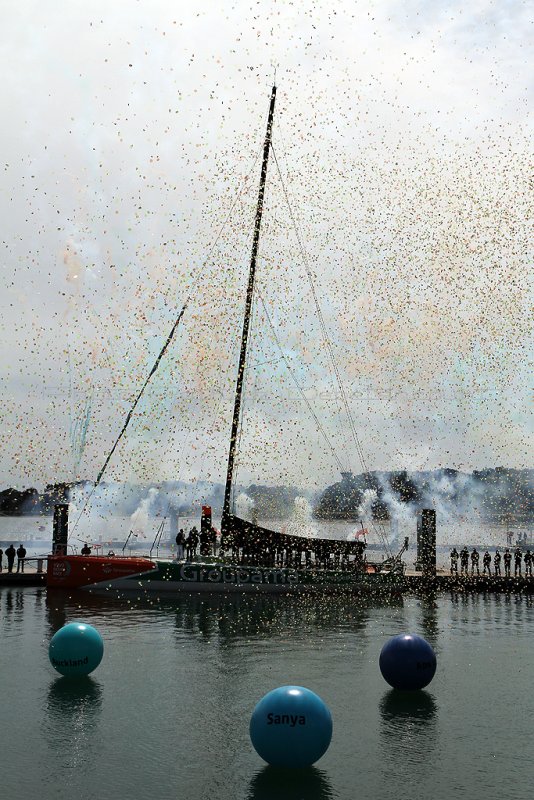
<point>248,309</point>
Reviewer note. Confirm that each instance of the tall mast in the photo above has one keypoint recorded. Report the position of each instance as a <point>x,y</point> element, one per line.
<point>248,309</point>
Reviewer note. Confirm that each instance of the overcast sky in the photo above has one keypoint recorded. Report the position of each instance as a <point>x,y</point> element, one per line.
<point>403,139</point>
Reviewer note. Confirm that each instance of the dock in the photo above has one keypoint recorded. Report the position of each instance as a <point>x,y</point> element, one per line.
<point>469,584</point>
<point>34,574</point>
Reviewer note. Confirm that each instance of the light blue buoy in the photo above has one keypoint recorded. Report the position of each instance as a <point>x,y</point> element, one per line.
<point>407,662</point>
<point>291,727</point>
<point>76,649</point>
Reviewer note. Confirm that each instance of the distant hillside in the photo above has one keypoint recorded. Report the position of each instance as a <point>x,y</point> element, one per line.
<point>498,495</point>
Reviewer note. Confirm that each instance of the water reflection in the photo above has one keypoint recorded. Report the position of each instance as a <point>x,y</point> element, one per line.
<point>224,619</point>
<point>56,602</point>
<point>72,712</point>
<point>429,617</point>
<point>73,696</point>
<point>290,784</point>
<point>401,708</point>
<point>230,619</point>
<point>408,729</point>
<point>13,601</point>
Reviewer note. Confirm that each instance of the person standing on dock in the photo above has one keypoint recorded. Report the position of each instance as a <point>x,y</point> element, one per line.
<point>464,561</point>
<point>507,562</point>
<point>486,561</point>
<point>528,563</point>
<point>454,561</point>
<point>10,555</point>
<point>474,561</point>
<point>21,555</point>
<point>518,557</point>
<point>497,563</point>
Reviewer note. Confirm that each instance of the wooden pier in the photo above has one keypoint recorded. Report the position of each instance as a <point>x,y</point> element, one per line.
<point>466,584</point>
<point>34,574</point>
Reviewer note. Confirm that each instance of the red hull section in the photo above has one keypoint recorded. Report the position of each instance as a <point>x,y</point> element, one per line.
<point>73,572</point>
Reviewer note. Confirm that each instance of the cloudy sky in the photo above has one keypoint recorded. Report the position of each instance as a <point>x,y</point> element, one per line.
<point>130,141</point>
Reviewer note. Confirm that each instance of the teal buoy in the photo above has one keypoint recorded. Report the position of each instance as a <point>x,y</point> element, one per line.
<point>76,649</point>
<point>291,727</point>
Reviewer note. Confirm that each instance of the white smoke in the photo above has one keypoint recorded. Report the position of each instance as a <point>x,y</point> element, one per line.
<point>139,518</point>
<point>244,506</point>
<point>301,521</point>
<point>365,508</point>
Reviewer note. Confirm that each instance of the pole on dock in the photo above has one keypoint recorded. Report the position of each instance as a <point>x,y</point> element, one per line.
<point>426,542</point>
<point>60,529</point>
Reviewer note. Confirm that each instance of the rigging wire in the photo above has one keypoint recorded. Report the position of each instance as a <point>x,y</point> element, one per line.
<point>299,387</point>
<point>329,347</point>
<point>163,350</point>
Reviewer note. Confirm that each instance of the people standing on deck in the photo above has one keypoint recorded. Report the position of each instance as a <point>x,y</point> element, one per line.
<point>180,544</point>
<point>474,561</point>
<point>454,561</point>
<point>507,558</point>
<point>191,543</point>
<point>189,547</point>
<point>528,563</point>
<point>518,557</point>
<point>486,561</point>
<point>497,563</point>
<point>10,555</point>
<point>464,561</point>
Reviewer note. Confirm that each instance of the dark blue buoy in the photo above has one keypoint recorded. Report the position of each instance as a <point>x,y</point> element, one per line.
<point>291,727</point>
<point>407,662</point>
<point>76,649</point>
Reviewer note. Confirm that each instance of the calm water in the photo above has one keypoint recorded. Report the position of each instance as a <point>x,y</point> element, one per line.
<point>166,713</point>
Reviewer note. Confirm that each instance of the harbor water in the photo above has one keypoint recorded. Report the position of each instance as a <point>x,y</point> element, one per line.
<point>166,713</point>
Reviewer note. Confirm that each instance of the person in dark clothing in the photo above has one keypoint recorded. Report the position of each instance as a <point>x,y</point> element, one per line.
<point>528,563</point>
<point>1,556</point>
<point>474,561</point>
<point>10,555</point>
<point>497,563</point>
<point>86,550</point>
<point>518,557</point>
<point>180,544</point>
<point>486,560</point>
<point>191,544</point>
<point>21,555</point>
<point>454,561</point>
<point>507,558</point>
<point>464,561</point>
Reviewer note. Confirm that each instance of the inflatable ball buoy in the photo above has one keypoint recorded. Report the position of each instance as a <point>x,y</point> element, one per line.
<point>407,662</point>
<point>76,649</point>
<point>291,727</point>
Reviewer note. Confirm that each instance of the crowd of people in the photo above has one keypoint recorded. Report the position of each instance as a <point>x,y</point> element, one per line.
<point>10,554</point>
<point>277,551</point>
<point>187,546</point>
<point>470,562</point>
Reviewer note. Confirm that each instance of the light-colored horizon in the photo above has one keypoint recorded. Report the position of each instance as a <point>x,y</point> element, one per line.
<point>403,138</point>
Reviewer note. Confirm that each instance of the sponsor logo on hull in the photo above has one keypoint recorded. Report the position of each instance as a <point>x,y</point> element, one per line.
<point>236,576</point>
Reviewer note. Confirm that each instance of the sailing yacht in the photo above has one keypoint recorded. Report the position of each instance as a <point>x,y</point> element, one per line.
<point>250,558</point>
